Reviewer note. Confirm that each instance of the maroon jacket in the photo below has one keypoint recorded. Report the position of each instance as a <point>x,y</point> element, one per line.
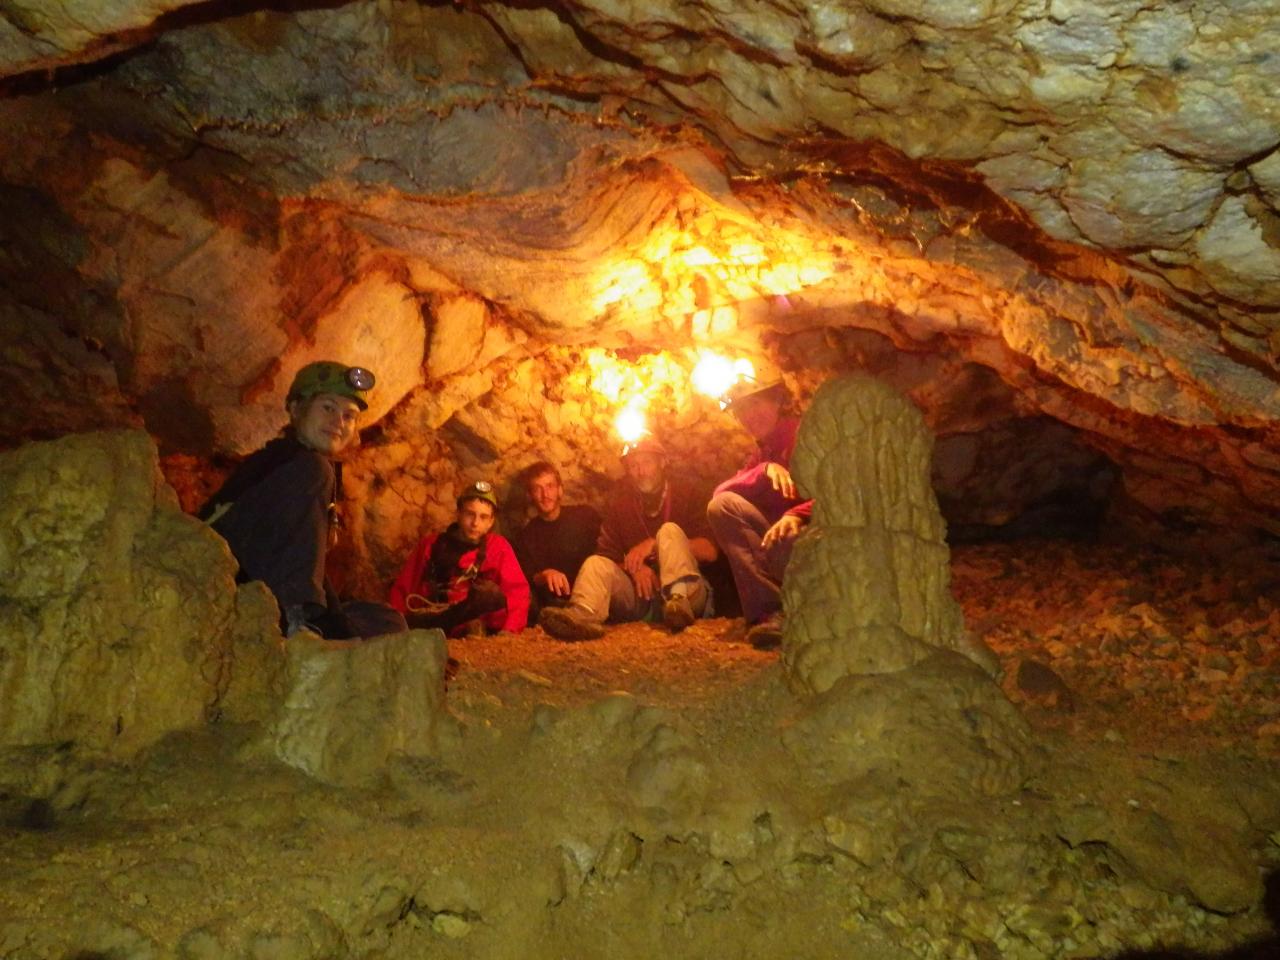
<point>625,523</point>
<point>752,483</point>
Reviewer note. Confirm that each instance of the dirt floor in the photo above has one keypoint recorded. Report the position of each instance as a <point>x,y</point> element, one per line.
<point>632,797</point>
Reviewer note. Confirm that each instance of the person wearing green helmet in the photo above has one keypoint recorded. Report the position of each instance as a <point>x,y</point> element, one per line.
<point>278,511</point>
<point>467,578</point>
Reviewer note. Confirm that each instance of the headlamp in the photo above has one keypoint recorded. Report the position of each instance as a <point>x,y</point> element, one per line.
<point>360,378</point>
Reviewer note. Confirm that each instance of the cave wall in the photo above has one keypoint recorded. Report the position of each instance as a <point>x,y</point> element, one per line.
<point>1051,225</point>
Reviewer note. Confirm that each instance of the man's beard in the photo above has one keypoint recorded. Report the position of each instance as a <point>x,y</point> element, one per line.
<point>651,500</point>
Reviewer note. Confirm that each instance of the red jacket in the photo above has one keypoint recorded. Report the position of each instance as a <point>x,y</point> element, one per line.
<point>500,566</point>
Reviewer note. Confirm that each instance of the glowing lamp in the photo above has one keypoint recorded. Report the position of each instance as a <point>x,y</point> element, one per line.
<point>715,374</point>
<point>630,424</point>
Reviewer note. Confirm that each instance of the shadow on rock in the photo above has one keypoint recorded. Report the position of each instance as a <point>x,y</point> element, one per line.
<point>1267,948</point>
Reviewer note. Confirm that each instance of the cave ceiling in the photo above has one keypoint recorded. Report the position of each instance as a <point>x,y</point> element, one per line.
<point>1057,210</point>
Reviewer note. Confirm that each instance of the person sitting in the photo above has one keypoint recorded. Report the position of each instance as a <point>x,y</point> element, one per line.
<point>756,514</point>
<point>553,545</point>
<point>464,576</point>
<point>652,540</point>
<point>278,511</point>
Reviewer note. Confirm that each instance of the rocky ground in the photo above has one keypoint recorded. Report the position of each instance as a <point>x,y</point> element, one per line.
<point>1150,683</point>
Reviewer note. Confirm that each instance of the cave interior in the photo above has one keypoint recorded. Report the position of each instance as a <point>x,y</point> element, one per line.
<point>1054,227</point>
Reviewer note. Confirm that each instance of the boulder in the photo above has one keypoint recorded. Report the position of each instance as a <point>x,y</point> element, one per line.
<point>120,615</point>
<point>352,708</point>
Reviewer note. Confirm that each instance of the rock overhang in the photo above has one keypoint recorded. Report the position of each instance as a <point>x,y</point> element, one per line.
<point>457,193</point>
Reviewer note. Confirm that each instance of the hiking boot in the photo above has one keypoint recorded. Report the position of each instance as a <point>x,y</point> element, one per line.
<point>565,623</point>
<point>677,614</point>
<point>767,634</point>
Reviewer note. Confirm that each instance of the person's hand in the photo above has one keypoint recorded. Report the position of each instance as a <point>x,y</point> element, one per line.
<point>646,582</point>
<point>787,528</point>
<point>638,556</point>
<point>553,580</point>
<point>780,477</point>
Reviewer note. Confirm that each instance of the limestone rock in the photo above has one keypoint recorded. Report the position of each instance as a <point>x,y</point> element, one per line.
<point>867,585</point>
<point>941,728</point>
<point>119,613</point>
<point>1190,851</point>
<point>669,776</point>
<point>36,36</point>
<point>351,708</point>
<point>456,336</point>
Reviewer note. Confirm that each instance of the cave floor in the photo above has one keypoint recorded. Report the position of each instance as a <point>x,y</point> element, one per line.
<point>1154,651</point>
<point>1159,671</point>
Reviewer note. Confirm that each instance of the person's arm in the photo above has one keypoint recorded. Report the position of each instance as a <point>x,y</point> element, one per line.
<point>410,578</point>
<point>513,583</point>
<point>639,555</point>
<point>278,530</point>
<point>802,510</point>
<point>645,580</point>
<point>788,527</point>
<point>530,554</point>
<point>610,542</point>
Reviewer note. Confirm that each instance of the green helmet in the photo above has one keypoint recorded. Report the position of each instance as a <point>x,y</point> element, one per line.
<point>328,376</point>
<point>480,490</point>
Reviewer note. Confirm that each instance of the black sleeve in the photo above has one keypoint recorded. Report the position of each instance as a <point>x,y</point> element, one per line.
<point>525,550</point>
<point>279,529</point>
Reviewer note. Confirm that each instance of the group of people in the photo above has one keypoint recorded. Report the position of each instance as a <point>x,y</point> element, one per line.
<point>567,569</point>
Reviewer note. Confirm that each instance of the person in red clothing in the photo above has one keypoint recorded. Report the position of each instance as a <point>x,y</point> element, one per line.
<point>465,574</point>
<point>646,563</point>
<point>756,514</point>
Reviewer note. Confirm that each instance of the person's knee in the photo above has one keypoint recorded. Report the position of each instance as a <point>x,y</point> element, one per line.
<point>593,569</point>
<point>724,506</point>
<point>670,531</point>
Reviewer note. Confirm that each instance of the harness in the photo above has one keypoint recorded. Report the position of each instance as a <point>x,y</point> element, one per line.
<point>442,580</point>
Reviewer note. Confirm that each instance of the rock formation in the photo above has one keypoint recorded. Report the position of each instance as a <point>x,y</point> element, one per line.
<point>123,624</point>
<point>867,588</point>
<point>122,619</point>
<point>350,710</point>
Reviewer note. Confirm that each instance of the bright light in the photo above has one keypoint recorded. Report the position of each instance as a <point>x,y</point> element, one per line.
<point>700,257</point>
<point>714,374</point>
<point>630,424</point>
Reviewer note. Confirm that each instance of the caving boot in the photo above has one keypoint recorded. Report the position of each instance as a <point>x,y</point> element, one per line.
<point>767,634</point>
<point>677,613</point>
<point>568,623</point>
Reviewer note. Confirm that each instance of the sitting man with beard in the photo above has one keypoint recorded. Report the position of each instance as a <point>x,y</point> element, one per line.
<point>553,545</point>
<point>466,579</point>
<point>652,540</point>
